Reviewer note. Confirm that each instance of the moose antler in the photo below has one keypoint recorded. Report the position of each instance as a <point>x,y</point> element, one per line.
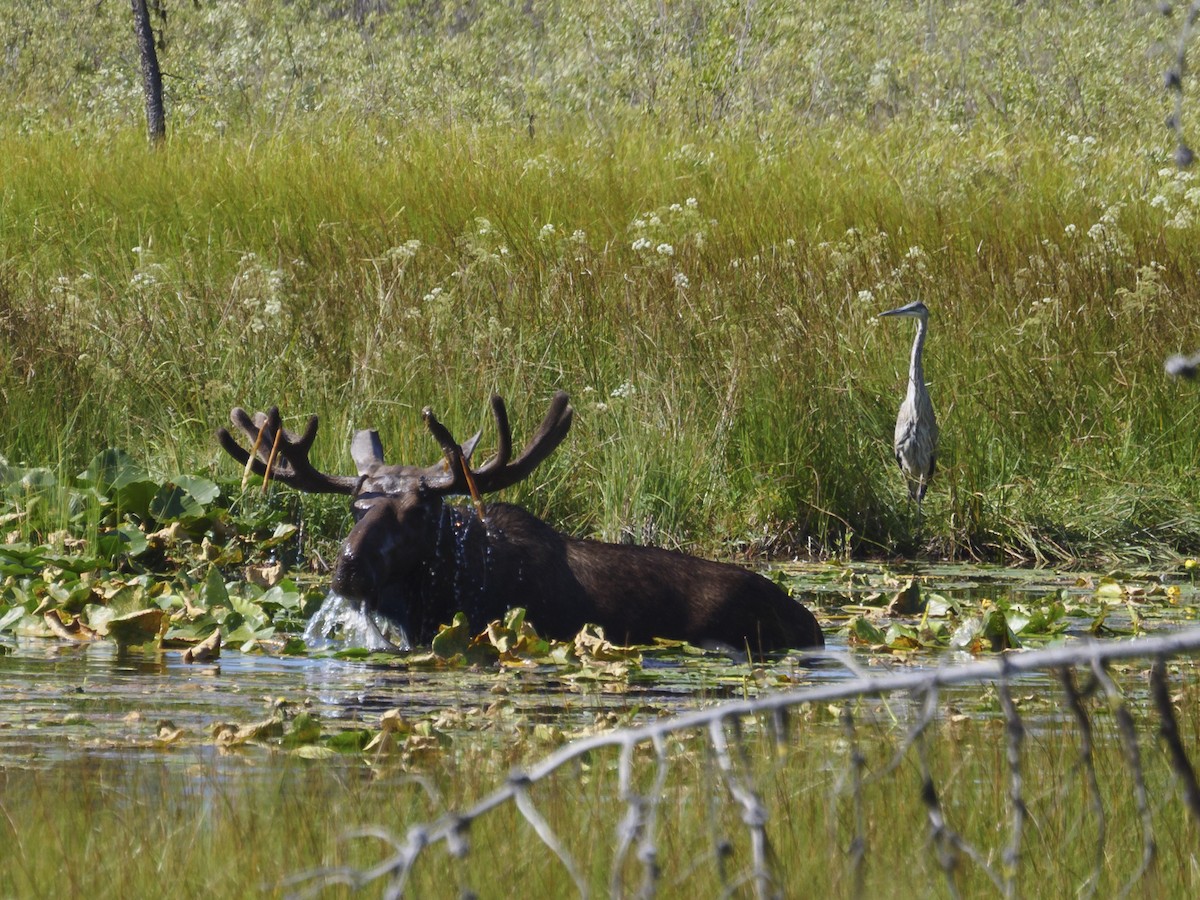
<point>282,453</point>
<point>497,472</point>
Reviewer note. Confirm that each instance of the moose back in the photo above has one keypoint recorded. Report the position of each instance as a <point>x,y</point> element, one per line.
<point>417,560</point>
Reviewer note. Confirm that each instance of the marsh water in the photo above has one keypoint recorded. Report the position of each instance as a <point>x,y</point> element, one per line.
<point>62,701</point>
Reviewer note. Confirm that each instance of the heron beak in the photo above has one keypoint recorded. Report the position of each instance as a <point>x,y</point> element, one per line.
<point>909,309</point>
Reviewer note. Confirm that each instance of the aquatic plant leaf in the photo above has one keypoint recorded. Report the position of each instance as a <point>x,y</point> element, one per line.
<point>313,751</point>
<point>173,502</point>
<point>937,606</point>
<point>592,646</point>
<point>264,574</point>
<point>11,618</point>
<point>283,595</point>
<point>230,735</point>
<point>213,592</point>
<point>68,627</point>
<point>207,650</point>
<point>997,631</point>
<point>862,632</point>
<point>453,639</point>
<point>902,637</point>
<point>906,601</point>
<point>304,729</point>
<point>353,741</point>
<point>124,540</point>
<point>136,628</point>
<point>19,481</point>
<point>125,483</point>
<point>283,531</point>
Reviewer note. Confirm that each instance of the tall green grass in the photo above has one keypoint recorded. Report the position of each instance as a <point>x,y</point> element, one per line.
<point>695,251</point>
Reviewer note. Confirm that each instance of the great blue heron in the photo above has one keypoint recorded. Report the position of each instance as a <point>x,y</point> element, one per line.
<point>916,425</point>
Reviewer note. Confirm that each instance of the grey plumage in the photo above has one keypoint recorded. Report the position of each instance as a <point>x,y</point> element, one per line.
<point>916,437</point>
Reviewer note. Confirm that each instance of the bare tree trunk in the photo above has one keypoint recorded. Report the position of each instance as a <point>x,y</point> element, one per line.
<point>156,116</point>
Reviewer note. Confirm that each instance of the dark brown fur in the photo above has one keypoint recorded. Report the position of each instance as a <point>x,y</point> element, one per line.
<point>452,561</point>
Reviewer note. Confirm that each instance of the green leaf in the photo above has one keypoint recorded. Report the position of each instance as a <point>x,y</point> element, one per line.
<point>349,741</point>
<point>283,531</point>
<point>213,591</point>
<point>203,490</point>
<point>304,729</point>
<point>937,606</point>
<point>452,639</point>
<point>997,631</point>
<point>172,503</point>
<point>861,631</point>
<point>26,481</point>
<point>11,618</point>
<point>278,596</point>
<point>125,482</point>
<point>125,540</point>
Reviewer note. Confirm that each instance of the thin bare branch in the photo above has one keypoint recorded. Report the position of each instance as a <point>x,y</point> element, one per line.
<point>1083,722</point>
<point>1168,730</point>
<point>1133,756</point>
<point>1014,730</point>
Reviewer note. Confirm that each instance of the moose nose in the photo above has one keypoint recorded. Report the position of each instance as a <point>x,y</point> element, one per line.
<point>354,575</point>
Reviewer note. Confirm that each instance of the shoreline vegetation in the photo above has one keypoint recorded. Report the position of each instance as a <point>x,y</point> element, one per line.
<point>687,219</point>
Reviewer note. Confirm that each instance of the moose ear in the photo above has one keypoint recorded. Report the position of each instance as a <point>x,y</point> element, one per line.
<point>366,450</point>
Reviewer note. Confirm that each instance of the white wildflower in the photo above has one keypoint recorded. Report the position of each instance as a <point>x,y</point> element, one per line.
<point>664,250</point>
<point>1182,219</point>
<point>681,280</point>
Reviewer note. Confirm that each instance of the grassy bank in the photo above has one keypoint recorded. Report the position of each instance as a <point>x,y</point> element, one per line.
<point>701,277</point>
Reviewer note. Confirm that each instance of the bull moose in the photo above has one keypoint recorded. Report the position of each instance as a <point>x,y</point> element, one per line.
<point>417,560</point>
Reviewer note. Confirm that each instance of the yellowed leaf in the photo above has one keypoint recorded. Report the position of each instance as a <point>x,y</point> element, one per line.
<point>208,649</point>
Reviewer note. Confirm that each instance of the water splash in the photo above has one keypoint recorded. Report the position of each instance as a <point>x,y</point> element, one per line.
<point>340,624</point>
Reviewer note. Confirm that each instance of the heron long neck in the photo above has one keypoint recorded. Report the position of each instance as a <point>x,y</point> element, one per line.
<point>916,373</point>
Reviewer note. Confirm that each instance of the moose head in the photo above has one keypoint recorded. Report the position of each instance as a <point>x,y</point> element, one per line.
<point>417,560</point>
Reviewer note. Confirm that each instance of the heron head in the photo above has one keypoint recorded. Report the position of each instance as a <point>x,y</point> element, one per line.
<point>916,310</point>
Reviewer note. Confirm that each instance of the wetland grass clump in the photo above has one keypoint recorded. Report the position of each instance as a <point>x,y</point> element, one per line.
<point>718,339</point>
<point>693,245</point>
